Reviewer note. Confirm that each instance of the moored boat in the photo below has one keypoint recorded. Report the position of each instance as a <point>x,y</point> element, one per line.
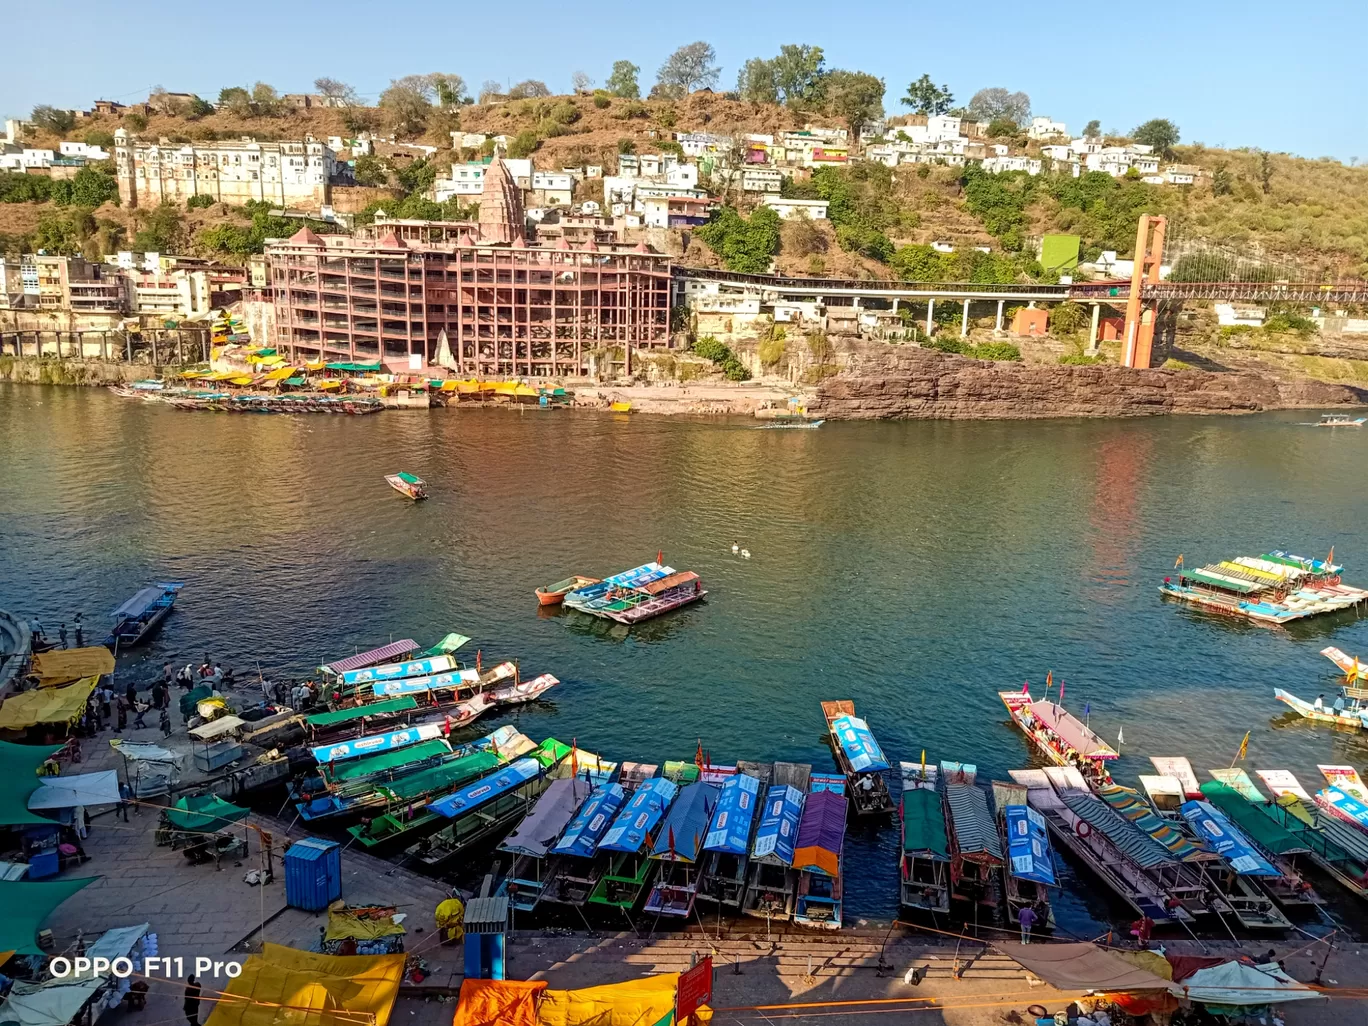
<point>372,657</point>
<point>859,757</point>
<point>771,881</point>
<point>1029,871</point>
<point>627,846</point>
<point>405,817</point>
<point>975,848</point>
<point>138,618</point>
<point>554,594</point>
<point>731,832</point>
<point>520,692</point>
<point>818,853</point>
<point>641,593</point>
<point>1349,709</point>
<point>574,870</point>
<point>679,849</point>
<point>410,485</point>
<point>1061,737</point>
<point>1243,865</point>
<point>531,843</point>
<point>924,867</point>
<point>1275,588</point>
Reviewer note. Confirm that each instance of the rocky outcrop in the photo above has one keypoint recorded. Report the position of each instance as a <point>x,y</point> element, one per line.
<point>884,382</point>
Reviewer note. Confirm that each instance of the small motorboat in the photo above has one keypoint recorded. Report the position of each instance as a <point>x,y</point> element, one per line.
<point>1340,420</point>
<point>554,594</point>
<point>408,484</point>
<point>140,616</point>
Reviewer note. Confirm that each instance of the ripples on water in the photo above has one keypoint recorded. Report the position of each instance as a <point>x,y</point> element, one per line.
<point>916,568</point>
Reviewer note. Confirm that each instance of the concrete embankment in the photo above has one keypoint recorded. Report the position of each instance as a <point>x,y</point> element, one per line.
<point>908,382</point>
<point>15,643</point>
<point>72,372</point>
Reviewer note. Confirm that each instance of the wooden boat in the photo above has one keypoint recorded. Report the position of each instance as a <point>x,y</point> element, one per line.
<point>638,594</point>
<point>1139,870</point>
<point>138,618</point>
<point>1062,738</point>
<point>553,594</point>
<point>1029,871</point>
<point>341,724</point>
<point>628,844</point>
<point>373,657</point>
<point>975,848</point>
<point>1346,798</point>
<point>781,423</point>
<point>1340,420</point>
<point>1275,588</point>
<point>621,406</point>
<point>817,854</point>
<point>574,868</point>
<point>1240,870</point>
<point>408,484</point>
<point>1352,668</point>
<point>520,692</point>
<point>529,846</point>
<point>1350,708</point>
<point>679,850</point>
<point>485,808</point>
<point>859,757</point>
<point>406,817</point>
<point>771,881</point>
<point>731,834</point>
<point>924,866</point>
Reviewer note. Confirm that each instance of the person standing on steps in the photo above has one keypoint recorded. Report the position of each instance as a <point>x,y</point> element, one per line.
<point>192,1001</point>
<point>1026,917</point>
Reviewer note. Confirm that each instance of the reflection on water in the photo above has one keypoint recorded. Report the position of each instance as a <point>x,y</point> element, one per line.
<point>914,568</point>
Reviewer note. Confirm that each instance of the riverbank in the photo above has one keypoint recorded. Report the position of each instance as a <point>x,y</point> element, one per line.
<point>82,373</point>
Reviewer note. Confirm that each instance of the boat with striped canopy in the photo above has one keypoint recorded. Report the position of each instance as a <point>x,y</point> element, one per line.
<point>1277,587</point>
<point>975,847</point>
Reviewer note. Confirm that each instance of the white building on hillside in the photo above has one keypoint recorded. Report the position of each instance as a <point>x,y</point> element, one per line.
<point>1045,128</point>
<point>814,210</point>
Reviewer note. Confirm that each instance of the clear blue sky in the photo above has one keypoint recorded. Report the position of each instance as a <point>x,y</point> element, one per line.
<point>1228,72</point>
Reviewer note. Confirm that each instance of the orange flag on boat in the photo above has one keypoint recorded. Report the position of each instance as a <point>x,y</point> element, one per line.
<point>574,757</point>
<point>1354,673</point>
<point>1178,562</point>
<point>1049,679</point>
<point>1330,559</point>
<point>698,755</point>
<point>1244,747</point>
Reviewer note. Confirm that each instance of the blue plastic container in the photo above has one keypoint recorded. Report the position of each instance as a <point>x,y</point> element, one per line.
<point>313,874</point>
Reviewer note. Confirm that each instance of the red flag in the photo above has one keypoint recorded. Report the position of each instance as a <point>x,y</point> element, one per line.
<point>1061,692</point>
<point>698,755</point>
<point>1025,687</point>
<point>1049,679</point>
<point>660,556</point>
<point>672,847</point>
<point>574,757</point>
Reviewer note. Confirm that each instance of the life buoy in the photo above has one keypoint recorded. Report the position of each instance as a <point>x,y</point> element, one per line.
<point>1083,828</point>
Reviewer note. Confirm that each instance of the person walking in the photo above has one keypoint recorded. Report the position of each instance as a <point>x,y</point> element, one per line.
<point>61,635</point>
<point>125,796</point>
<point>1027,918</point>
<point>106,697</point>
<point>165,722</point>
<point>141,711</point>
<point>131,693</point>
<point>192,1001</point>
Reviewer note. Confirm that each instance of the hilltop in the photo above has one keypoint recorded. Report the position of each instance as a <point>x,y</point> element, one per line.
<point>1285,210</point>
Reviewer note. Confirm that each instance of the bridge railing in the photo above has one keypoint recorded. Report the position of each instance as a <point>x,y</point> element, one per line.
<point>818,284</point>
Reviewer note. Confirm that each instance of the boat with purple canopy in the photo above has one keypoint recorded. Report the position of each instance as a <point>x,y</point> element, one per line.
<point>395,651</point>
<point>817,854</point>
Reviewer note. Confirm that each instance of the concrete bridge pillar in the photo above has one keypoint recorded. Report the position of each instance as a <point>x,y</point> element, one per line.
<point>1092,331</point>
<point>998,326</point>
<point>930,309</point>
<point>964,320</point>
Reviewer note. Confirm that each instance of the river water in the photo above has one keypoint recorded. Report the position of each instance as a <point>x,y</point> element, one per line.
<point>916,568</point>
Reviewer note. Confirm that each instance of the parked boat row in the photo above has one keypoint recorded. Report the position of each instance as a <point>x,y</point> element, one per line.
<point>251,402</point>
<point>1275,588</point>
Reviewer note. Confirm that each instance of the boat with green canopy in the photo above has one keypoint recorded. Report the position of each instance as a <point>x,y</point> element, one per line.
<point>925,862</point>
<point>406,817</point>
<point>1290,890</point>
<point>407,484</point>
<point>361,716</point>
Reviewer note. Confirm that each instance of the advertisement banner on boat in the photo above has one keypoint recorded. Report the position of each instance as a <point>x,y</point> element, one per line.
<point>375,743</point>
<point>1028,845</point>
<point>395,671</point>
<point>778,831</point>
<point>420,685</point>
<point>730,828</point>
<point>857,742</point>
<point>1345,806</point>
<point>640,816</point>
<point>472,796</point>
<point>1226,839</point>
<point>581,837</point>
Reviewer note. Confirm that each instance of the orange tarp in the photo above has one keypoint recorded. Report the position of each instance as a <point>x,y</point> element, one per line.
<point>498,1003</point>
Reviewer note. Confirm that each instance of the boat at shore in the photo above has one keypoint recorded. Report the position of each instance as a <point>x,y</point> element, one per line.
<point>575,867</point>
<point>529,846</point>
<point>679,850</point>
<point>975,846</point>
<point>772,882</point>
<point>818,852</point>
<point>1061,737</point>
<point>405,817</point>
<point>1275,588</point>
<point>554,594</point>
<point>138,618</point>
<point>859,757</point>
<point>410,485</point>
<point>924,866</point>
<point>629,842</point>
<point>731,834</point>
<point>1029,871</point>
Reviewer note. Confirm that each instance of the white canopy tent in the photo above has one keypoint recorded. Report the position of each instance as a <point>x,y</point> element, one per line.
<point>87,789</point>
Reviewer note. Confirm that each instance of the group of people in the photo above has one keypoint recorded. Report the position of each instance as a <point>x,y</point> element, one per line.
<point>109,707</point>
<point>189,678</point>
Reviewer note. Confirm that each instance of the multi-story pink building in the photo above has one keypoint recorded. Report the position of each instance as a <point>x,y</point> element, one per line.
<point>506,306</point>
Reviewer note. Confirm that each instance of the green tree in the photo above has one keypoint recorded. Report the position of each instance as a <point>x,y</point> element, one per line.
<point>798,72</point>
<point>93,186</point>
<point>625,146</point>
<point>199,201</point>
<point>1093,129</point>
<point>524,144</point>
<point>417,175</point>
<point>688,69</point>
<point>236,100</point>
<point>925,97</point>
<point>623,81</point>
<point>755,82</point>
<point>65,233</point>
<point>1002,128</point>
<point>529,89</point>
<point>855,97</point>
<point>198,108</point>
<point>266,101</point>
<point>744,246</point>
<point>50,119</point>
<point>370,170</point>
<point>135,122</point>
<point>1160,133</point>
<point>162,231</point>
<point>1221,181</point>
<point>102,139</point>
<point>1266,172</point>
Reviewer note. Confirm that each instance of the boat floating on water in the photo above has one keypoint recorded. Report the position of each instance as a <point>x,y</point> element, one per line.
<point>818,853</point>
<point>1338,420</point>
<point>554,594</point>
<point>925,862</point>
<point>138,618</point>
<point>1275,588</point>
<point>1029,872</point>
<point>638,594</point>
<point>407,484</point>
<point>772,882</point>
<point>859,757</point>
<point>731,834</point>
<point>975,845</point>
<point>1061,737</point>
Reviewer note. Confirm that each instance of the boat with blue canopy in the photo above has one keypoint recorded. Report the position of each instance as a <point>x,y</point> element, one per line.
<point>575,871</point>
<point>628,842</point>
<point>1030,869</point>
<point>375,743</point>
<point>679,848</point>
<point>637,594</point>
<point>924,867</point>
<point>1244,864</point>
<point>727,844</point>
<point>487,807</point>
<point>585,598</point>
<point>452,681</point>
<point>817,857</point>
<point>530,845</point>
<point>772,882</point>
<point>859,757</point>
<point>424,667</point>
<point>140,616</point>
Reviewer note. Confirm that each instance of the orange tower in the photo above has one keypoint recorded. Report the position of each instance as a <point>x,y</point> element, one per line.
<point>1140,315</point>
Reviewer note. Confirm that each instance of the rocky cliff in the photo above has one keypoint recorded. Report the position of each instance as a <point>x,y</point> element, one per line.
<point>911,382</point>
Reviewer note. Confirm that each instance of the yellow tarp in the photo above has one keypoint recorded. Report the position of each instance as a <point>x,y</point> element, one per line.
<point>241,379</point>
<point>498,1003</point>
<point>642,1002</point>
<point>280,373</point>
<point>299,988</point>
<point>315,365</point>
<point>344,923</point>
<point>64,665</point>
<point>328,386</point>
<point>221,375</point>
<point>1150,961</point>
<point>46,705</point>
<point>266,361</point>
